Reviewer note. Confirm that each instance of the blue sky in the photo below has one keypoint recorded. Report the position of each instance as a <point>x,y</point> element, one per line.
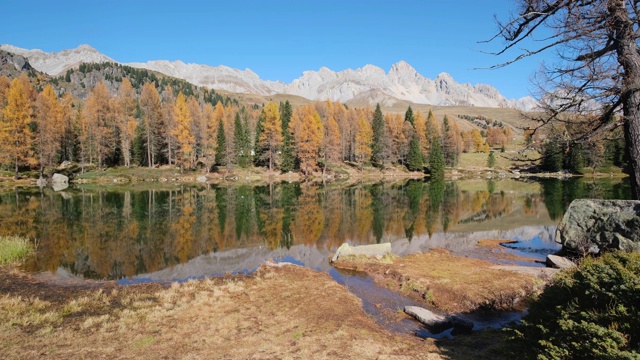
<point>279,39</point>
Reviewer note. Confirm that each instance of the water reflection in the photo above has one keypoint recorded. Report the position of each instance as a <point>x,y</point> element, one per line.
<point>119,233</point>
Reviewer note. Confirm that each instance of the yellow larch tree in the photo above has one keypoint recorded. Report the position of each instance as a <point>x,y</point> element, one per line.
<point>152,114</point>
<point>197,126</point>
<point>308,132</point>
<point>331,141</point>
<point>49,117</point>
<point>5,83</point>
<point>182,132</point>
<point>271,135</point>
<point>477,140</point>
<point>16,137</point>
<point>125,118</point>
<point>432,131</point>
<point>208,136</point>
<point>420,126</point>
<point>100,121</point>
<point>363,139</point>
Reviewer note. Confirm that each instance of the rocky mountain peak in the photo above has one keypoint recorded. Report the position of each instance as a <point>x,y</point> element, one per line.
<point>403,82</point>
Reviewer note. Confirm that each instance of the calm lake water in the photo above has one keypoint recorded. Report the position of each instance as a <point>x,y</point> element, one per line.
<point>141,233</point>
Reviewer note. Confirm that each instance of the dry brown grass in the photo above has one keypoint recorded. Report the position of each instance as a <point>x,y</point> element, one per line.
<point>450,283</point>
<point>280,312</point>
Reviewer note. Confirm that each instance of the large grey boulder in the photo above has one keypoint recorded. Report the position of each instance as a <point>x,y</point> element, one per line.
<point>201,179</point>
<point>375,250</point>
<point>59,182</point>
<point>596,225</point>
<point>438,323</point>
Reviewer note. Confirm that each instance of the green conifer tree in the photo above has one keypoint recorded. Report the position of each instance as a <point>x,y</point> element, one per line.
<point>241,141</point>
<point>408,116</point>
<point>378,151</point>
<point>491,160</point>
<point>414,158</point>
<point>288,155</point>
<point>436,159</point>
<point>221,154</point>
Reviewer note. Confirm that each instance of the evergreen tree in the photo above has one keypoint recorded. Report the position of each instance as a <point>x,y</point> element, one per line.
<point>408,116</point>
<point>491,160</point>
<point>221,154</point>
<point>574,160</point>
<point>436,159</point>
<point>258,149</point>
<point>287,151</point>
<point>414,158</point>
<point>241,137</point>
<point>553,152</point>
<point>378,151</point>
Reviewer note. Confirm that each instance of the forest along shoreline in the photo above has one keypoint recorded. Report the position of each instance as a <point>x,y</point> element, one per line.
<point>344,174</point>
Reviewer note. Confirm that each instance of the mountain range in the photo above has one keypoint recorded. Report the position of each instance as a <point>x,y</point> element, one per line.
<point>369,84</point>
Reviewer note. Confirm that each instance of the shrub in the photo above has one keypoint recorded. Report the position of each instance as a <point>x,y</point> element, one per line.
<point>590,312</point>
<point>14,248</point>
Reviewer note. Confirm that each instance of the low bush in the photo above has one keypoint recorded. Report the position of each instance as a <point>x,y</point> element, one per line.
<point>592,312</point>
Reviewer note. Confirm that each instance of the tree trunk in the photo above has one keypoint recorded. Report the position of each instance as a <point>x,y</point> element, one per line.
<point>629,59</point>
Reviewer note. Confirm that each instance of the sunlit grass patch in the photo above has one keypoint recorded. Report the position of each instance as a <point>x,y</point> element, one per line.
<point>14,249</point>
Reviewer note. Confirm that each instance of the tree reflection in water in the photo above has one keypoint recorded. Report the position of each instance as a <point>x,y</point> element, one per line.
<point>121,232</point>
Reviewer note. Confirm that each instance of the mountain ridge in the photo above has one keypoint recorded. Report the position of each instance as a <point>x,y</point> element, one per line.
<point>402,82</point>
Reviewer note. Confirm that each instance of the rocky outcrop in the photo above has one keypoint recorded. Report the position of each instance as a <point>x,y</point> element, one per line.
<point>59,182</point>
<point>593,226</point>
<point>438,323</point>
<point>376,250</point>
<point>559,262</point>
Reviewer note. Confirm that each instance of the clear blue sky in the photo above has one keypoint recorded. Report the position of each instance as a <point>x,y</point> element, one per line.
<point>279,39</point>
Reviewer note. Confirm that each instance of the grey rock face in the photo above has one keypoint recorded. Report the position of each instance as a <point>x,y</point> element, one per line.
<point>59,182</point>
<point>596,225</point>
<point>375,250</point>
<point>559,262</point>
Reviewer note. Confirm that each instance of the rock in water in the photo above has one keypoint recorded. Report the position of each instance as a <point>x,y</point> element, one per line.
<point>559,262</point>
<point>596,225</point>
<point>375,250</point>
<point>438,323</point>
<point>59,182</point>
<point>41,182</point>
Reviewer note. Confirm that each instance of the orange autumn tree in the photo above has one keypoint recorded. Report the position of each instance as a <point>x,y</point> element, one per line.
<point>271,136</point>
<point>125,118</point>
<point>16,136</point>
<point>308,132</point>
<point>363,140</point>
<point>100,122</point>
<point>182,132</point>
<point>49,115</point>
<point>151,107</point>
<point>331,142</point>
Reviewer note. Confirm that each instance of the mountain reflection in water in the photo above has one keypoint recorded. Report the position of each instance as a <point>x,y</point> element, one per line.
<point>160,234</point>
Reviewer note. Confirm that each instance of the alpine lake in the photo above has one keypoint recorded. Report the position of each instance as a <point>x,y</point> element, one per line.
<point>171,232</point>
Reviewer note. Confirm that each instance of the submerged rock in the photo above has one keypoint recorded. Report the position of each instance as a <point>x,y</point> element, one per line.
<point>59,182</point>
<point>438,323</point>
<point>375,250</point>
<point>41,182</point>
<point>591,226</point>
<point>559,262</point>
